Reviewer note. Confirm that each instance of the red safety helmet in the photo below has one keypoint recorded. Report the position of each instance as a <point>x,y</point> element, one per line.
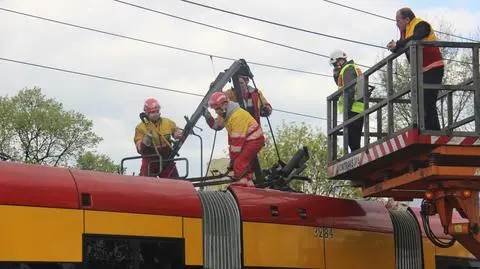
<point>151,105</point>
<point>217,100</point>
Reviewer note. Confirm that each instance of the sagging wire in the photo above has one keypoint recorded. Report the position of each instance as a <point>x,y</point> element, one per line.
<point>270,126</point>
<point>425,208</point>
<point>215,135</point>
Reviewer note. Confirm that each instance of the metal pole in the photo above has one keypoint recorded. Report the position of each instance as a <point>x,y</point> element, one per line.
<point>201,155</point>
<point>379,123</point>
<point>389,94</point>
<point>476,85</point>
<point>346,106</point>
<point>420,89</point>
<point>414,85</point>
<point>366,117</point>
<point>329,127</point>
<point>334,124</point>
<point>450,108</point>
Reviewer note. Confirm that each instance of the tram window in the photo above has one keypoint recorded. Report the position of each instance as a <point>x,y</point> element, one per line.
<point>444,262</point>
<point>133,253</point>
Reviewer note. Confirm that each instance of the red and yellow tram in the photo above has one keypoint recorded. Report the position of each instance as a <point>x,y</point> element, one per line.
<point>68,218</point>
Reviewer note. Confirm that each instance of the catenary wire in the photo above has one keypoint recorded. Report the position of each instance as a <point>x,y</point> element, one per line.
<point>134,83</point>
<point>231,32</point>
<point>276,23</point>
<point>390,19</point>
<point>162,45</point>
<point>286,26</point>
<point>179,48</point>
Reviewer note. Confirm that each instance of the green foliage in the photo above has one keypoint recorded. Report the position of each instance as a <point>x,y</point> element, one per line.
<point>6,131</point>
<point>291,137</point>
<point>97,162</point>
<point>37,129</point>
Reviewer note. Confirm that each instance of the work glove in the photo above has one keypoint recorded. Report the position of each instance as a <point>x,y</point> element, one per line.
<point>151,138</point>
<point>177,134</point>
<point>147,139</point>
<point>264,111</point>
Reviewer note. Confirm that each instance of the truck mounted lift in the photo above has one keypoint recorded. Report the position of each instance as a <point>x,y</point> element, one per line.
<point>442,167</point>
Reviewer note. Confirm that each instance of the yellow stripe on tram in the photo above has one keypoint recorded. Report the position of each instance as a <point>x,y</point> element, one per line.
<point>40,234</point>
<point>129,224</point>
<point>193,234</point>
<point>278,245</point>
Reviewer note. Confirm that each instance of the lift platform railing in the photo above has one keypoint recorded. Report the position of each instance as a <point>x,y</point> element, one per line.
<point>415,100</point>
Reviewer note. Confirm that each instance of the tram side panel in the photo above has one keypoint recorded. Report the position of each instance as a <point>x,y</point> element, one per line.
<point>304,231</point>
<point>41,218</point>
<point>158,219</point>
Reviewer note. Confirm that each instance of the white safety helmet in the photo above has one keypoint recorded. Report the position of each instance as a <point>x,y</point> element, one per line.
<point>338,54</point>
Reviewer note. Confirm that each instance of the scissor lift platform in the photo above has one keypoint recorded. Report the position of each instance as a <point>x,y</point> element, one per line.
<point>447,176</point>
<point>440,166</point>
<point>405,152</point>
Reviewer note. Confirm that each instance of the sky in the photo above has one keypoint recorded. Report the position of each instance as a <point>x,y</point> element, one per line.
<point>114,107</point>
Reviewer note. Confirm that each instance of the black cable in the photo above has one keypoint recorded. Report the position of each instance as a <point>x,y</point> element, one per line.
<point>287,26</point>
<point>390,19</point>
<point>183,49</point>
<point>230,31</point>
<point>221,29</point>
<point>428,231</point>
<point>269,124</point>
<point>278,24</point>
<point>211,153</point>
<point>134,83</point>
<point>100,77</point>
<point>159,44</point>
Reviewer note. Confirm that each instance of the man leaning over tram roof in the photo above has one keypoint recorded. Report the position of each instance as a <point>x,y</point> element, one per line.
<point>414,28</point>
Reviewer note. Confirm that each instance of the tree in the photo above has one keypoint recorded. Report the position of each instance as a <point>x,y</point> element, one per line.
<point>6,131</point>
<point>97,162</point>
<point>290,138</point>
<point>37,129</point>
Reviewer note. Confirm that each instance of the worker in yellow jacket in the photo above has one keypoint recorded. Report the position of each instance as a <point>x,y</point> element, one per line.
<point>245,136</point>
<point>152,137</point>
<point>433,68</point>
<point>255,102</point>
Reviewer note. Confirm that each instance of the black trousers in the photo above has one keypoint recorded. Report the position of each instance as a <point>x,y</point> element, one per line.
<point>354,132</point>
<point>434,76</point>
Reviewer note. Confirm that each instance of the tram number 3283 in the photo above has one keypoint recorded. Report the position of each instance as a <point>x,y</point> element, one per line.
<point>323,232</point>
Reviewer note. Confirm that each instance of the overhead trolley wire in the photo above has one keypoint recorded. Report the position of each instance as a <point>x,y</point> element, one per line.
<point>311,31</point>
<point>390,19</point>
<point>99,77</point>
<point>179,48</point>
<point>248,36</point>
<point>288,26</point>
<point>276,23</point>
<point>133,83</point>
<point>230,31</point>
<point>161,45</point>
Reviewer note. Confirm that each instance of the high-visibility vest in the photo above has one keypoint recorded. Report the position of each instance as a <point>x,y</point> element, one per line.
<point>432,57</point>
<point>356,106</point>
<point>253,100</point>
<point>241,127</point>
